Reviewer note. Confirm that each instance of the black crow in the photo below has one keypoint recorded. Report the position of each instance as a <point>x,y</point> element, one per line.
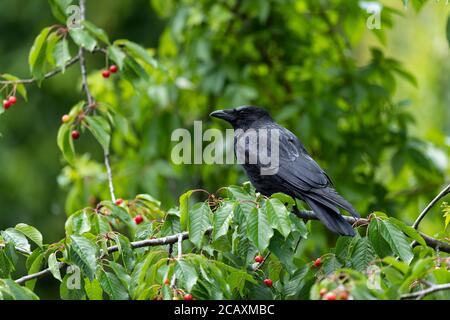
<point>298,175</point>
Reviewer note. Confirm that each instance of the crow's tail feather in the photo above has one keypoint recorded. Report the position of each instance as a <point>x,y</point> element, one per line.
<point>331,218</point>
<point>330,196</point>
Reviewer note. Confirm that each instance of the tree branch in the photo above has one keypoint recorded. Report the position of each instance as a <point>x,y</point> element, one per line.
<point>177,238</point>
<point>422,293</point>
<point>46,76</point>
<point>441,194</point>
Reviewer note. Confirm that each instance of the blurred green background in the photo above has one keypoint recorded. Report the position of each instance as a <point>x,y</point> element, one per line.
<point>372,106</point>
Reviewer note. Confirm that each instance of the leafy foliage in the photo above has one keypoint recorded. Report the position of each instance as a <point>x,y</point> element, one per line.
<point>228,53</point>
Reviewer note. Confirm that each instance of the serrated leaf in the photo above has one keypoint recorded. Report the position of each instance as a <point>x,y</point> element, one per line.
<point>100,129</point>
<point>278,216</point>
<point>363,255</point>
<point>258,229</point>
<point>112,286</point>
<point>186,274</point>
<point>53,265</point>
<point>409,231</point>
<point>380,245</point>
<point>199,222</point>
<point>30,232</point>
<point>222,220</point>
<point>396,240</point>
<point>83,254</point>
<point>83,38</point>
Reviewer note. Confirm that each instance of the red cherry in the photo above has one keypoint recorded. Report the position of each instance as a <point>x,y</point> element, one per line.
<point>119,201</point>
<point>188,296</point>
<point>138,219</point>
<point>75,134</point>
<point>12,100</point>
<point>343,295</point>
<point>330,296</point>
<point>113,68</point>
<point>317,263</point>
<point>106,74</point>
<point>6,104</point>
<point>268,282</point>
<point>259,259</point>
<point>323,292</point>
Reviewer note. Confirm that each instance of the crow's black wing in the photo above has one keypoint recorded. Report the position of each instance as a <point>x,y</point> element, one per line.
<point>299,172</point>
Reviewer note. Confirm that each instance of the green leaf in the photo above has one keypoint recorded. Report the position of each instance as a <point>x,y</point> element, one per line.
<point>396,240</point>
<point>399,265</point>
<point>258,229</point>
<point>61,54</point>
<point>448,30</point>
<point>35,266</point>
<point>101,130</point>
<point>112,286</point>
<point>30,232</point>
<point>380,245</point>
<point>65,143</point>
<point>93,289</point>
<point>83,254</point>
<point>36,57</point>
<point>186,274</point>
<point>97,32</point>
<point>53,265</point>
<point>117,55</point>
<point>20,87</point>
<point>50,47</point>
<point>222,220</point>
<point>78,223</point>
<point>363,255</point>
<point>17,238</point>
<point>15,291</point>
<point>58,8</point>
<point>83,39</point>
<point>199,222</point>
<point>409,231</point>
<point>138,52</point>
<point>278,216</point>
<point>184,209</point>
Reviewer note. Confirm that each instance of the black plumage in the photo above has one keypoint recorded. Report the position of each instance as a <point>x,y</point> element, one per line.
<point>298,174</point>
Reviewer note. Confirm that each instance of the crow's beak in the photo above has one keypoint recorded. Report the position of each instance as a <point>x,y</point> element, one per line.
<point>226,115</point>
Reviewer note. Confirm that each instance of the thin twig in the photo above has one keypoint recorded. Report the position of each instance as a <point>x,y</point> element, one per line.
<point>441,194</point>
<point>91,101</point>
<point>179,254</point>
<point>46,76</point>
<point>110,176</point>
<point>422,293</point>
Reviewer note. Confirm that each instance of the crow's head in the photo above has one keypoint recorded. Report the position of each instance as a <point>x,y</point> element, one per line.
<point>242,117</point>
